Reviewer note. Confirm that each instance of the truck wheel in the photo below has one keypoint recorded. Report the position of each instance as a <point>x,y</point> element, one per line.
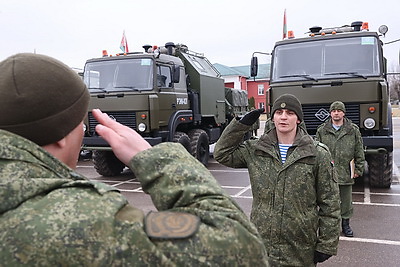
<point>380,168</point>
<point>200,145</point>
<point>184,140</point>
<point>106,163</point>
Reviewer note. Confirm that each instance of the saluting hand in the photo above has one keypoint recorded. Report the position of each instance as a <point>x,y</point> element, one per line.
<point>124,141</point>
<point>251,117</point>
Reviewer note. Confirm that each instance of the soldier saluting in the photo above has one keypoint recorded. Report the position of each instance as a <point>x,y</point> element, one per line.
<point>295,195</point>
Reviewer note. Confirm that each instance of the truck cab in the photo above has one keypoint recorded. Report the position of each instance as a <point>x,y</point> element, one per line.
<point>166,94</point>
<point>341,63</point>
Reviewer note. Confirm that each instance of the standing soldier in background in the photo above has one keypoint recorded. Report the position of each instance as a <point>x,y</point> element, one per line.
<point>295,195</point>
<point>52,216</point>
<point>345,143</point>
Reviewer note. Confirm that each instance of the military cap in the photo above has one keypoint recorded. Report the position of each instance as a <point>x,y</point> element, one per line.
<point>290,102</point>
<point>41,98</point>
<point>337,105</point>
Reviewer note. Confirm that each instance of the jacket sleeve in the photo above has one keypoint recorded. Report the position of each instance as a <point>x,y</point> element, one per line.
<point>359,156</point>
<point>230,150</point>
<point>328,200</point>
<point>176,181</point>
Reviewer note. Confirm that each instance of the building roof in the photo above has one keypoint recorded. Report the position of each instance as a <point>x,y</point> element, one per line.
<point>263,70</point>
<point>227,71</point>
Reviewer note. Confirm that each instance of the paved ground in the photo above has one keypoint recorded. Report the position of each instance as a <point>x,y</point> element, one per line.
<point>375,222</point>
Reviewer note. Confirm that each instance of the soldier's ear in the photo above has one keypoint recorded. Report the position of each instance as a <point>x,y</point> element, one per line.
<point>56,145</point>
<point>57,149</point>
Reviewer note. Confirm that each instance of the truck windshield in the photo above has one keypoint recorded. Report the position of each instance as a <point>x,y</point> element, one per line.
<point>119,75</point>
<point>326,59</point>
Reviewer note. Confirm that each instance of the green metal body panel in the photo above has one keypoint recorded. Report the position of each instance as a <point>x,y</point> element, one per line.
<point>205,80</point>
<point>139,89</point>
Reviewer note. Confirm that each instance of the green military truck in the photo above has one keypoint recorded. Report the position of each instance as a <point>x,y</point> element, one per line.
<point>342,63</point>
<point>165,93</point>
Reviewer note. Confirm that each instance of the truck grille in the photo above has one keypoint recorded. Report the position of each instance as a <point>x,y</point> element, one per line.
<point>314,115</point>
<point>127,118</point>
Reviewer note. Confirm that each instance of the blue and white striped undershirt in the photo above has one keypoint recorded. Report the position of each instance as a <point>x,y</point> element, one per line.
<point>283,148</point>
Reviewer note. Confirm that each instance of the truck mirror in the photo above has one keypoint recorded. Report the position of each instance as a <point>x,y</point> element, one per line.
<point>176,74</point>
<point>254,67</point>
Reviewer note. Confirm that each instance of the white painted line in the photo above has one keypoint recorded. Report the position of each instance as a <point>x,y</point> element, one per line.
<point>123,182</point>
<point>242,191</point>
<point>367,196</point>
<point>377,194</point>
<point>137,190</point>
<point>232,187</point>
<point>241,171</point>
<point>81,166</point>
<point>367,240</point>
<point>247,197</point>
<point>131,181</point>
<point>377,204</point>
<point>396,174</point>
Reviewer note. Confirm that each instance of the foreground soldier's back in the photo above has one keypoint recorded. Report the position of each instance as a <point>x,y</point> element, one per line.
<point>52,216</point>
<point>63,219</point>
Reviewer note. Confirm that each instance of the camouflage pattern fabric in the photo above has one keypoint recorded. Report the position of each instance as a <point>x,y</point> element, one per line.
<point>296,204</point>
<point>345,144</point>
<point>52,216</point>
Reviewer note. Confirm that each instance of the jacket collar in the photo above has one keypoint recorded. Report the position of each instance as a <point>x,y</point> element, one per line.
<point>268,142</point>
<point>346,127</point>
<point>42,172</point>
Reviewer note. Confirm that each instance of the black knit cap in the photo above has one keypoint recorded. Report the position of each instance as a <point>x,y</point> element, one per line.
<point>41,98</point>
<point>290,102</point>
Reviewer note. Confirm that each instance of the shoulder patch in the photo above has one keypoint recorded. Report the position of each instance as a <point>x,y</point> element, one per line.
<point>171,225</point>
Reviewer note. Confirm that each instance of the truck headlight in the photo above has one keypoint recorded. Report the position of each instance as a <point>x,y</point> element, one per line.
<point>369,123</point>
<point>141,127</point>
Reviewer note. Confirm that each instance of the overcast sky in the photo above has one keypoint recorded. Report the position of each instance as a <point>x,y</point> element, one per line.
<point>226,31</point>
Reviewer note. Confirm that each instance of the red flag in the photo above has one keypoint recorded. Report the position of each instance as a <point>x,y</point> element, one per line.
<point>124,44</point>
<point>284,25</point>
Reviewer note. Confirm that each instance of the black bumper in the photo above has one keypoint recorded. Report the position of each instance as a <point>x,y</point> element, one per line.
<point>96,141</point>
<point>379,142</point>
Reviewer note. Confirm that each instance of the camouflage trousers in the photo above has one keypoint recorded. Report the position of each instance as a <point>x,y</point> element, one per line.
<point>346,201</point>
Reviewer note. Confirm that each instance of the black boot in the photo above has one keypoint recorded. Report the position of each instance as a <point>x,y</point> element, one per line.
<point>346,228</point>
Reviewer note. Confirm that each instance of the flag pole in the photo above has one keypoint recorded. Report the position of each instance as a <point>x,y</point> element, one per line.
<point>284,25</point>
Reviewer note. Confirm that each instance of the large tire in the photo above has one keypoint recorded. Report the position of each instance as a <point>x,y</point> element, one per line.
<point>200,145</point>
<point>184,140</point>
<point>380,167</point>
<point>106,163</point>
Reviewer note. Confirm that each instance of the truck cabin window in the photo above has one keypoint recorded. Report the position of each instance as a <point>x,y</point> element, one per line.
<point>119,75</point>
<point>326,59</point>
<point>164,77</point>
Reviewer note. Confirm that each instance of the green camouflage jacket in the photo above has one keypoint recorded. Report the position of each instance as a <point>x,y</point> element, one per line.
<point>52,216</point>
<point>344,145</point>
<point>292,202</point>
